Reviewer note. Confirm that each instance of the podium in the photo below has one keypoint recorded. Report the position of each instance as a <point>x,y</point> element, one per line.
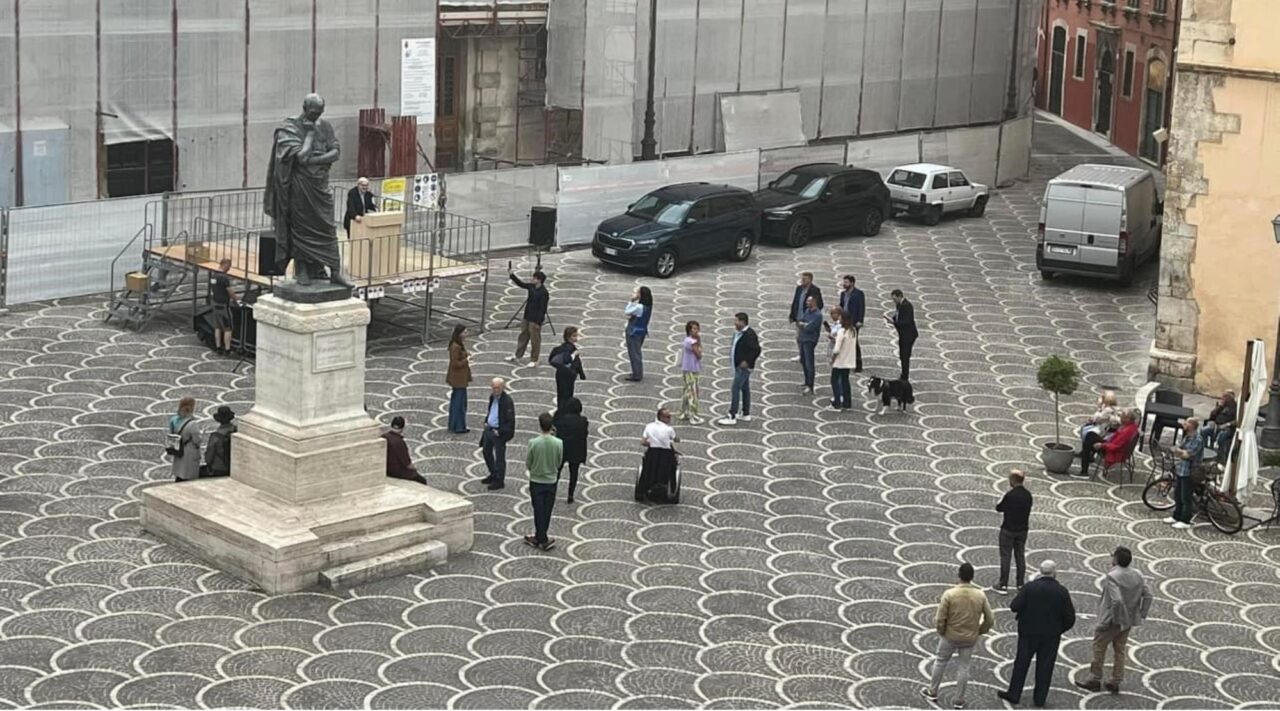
<point>372,250</point>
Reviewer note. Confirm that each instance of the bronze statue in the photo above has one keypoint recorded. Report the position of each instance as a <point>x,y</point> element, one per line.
<point>298,198</point>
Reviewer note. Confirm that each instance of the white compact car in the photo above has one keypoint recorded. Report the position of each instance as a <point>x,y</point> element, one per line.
<point>928,191</point>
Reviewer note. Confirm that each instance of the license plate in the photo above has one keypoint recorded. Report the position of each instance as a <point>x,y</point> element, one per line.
<point>1061,250</point>
<point>611,251</point>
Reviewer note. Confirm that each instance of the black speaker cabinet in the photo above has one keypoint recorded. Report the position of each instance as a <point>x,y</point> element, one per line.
<point>268,260</point>
<point>542,227</point>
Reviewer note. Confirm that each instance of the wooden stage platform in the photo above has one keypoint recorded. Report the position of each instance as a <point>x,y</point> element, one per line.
<point>414,264</point>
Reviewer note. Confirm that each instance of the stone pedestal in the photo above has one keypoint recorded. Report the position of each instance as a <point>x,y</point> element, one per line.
<point>308,501</point>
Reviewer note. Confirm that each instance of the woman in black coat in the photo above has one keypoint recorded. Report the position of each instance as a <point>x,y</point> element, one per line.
<point>571,428</point>
<point>568,364</point>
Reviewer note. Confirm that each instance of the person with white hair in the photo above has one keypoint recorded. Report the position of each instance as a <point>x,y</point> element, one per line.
<point>1045,612</point>
<point>359,203</point>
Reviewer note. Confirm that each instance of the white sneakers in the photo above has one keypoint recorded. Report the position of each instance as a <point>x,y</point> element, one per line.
<point>744,418</point>
<point>1180,524</point>
<point>511,359</point>
<point>727,421</point>
<point>1168,520</point>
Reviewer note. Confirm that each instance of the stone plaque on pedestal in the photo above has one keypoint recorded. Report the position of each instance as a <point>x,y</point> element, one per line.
<point>308,500</point>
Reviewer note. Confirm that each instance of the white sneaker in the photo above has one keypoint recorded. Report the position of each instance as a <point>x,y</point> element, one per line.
<point>696,420</point>
<point>744,418</point>
<point>1180,524</point>
<point>511,359</point>
<point>532,363</point>
<point>727,421</point>
<point>1168,520</point>
<point>796,359</point>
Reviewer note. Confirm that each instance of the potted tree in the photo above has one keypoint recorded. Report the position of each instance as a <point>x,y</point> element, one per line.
<point>1060,377</point>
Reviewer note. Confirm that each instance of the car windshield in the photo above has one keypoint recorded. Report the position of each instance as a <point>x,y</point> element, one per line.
<point>805,185</point>
<point>907,179</point>
<point>656,208</point>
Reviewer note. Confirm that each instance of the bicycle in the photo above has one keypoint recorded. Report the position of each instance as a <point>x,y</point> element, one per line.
<point>1220,507</point>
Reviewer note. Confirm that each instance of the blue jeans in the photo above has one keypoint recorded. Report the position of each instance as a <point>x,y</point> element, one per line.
<point>741,388</point>
<point>841,391</point>
<point>807,363</point>
<point>458,410</point>
<point>634,344</point>
<point>1183,507</point>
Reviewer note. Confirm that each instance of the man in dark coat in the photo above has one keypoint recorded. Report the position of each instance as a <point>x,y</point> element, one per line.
<point>744,350</point>
<point>903,320</point>
<point>854,303</point>
<point>399,461</point>
<point>499,428</point>
<point>795,315</point>
<point>1045,613</point>
<point>359,203</point>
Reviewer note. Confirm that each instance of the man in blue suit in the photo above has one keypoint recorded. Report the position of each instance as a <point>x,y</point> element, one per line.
<point>854,303</point>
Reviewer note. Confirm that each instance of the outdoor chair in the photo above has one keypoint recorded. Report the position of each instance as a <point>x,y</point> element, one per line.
<point>1100,468</point>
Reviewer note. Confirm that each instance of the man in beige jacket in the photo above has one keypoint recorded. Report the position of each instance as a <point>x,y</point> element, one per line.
<point>963,616</point>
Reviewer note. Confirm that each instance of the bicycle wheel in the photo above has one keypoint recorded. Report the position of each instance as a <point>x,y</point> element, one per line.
<point>1223,512</point>
<point>1158,494</point>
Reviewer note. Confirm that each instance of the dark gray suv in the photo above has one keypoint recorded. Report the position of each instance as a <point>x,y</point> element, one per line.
<point>677,224</point>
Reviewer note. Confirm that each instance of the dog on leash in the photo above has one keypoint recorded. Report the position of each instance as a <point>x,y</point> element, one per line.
<point>891,392</point>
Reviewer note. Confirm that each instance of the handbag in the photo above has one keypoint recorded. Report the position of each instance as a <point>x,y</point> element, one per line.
<point>174,446</point>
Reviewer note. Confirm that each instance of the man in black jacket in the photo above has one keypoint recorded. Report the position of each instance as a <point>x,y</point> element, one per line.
<point>499,428</point>
<point>1045,613</point>
<point>903,321</point>
<point>854,303</point>
<point>743,353</point>
<point>359,203</point>
<point>535,314</point>
<point>795,315</point>
<point>1016,507</point>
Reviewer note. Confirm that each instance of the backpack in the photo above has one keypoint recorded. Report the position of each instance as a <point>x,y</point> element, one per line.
<point>173,444</point>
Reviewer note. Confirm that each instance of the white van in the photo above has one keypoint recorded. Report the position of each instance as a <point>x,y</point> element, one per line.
<point>1099,220</point>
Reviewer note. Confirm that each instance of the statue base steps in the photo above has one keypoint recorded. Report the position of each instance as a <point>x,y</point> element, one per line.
<point>390,529</point>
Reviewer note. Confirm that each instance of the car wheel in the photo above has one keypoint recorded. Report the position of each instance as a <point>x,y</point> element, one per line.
<point>664,265</point>
<point>872,219</point>
<point>799,233</point>
<point>742,247</point>
<point>1126,273</point>
<point>932,215</point>
<point>1045,275</point>
<point>979,207</point>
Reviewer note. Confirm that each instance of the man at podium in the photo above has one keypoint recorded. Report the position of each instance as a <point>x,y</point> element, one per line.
<point>359,203</point>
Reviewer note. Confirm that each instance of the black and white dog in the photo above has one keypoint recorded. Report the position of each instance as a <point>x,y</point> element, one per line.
<point>888,391</point>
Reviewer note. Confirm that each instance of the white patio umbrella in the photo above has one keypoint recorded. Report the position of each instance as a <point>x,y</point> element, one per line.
<point>1246,437</point>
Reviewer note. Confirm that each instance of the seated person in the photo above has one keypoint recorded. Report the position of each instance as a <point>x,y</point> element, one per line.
<point>1115,448</point>
<point>1219,429</point>
<point>399,461</point>
<point>1104,420</point>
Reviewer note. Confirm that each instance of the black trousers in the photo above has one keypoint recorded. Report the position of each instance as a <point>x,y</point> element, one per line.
<point>1086,450</point>
<point>904,355</point>
<point>1045,649</point>
<point>543,498</point>
<point>857,350</point>
<point>565,382</point>
<point>573,476</point>
<point>495,454</point>
<point>1015,545</point>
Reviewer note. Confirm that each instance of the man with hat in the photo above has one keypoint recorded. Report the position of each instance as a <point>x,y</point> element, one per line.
<point>217,452</point>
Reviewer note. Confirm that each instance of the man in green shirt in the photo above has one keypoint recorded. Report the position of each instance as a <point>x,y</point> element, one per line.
<point>546,452</point>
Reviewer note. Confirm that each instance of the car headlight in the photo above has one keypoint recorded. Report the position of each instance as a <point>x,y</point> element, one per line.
<point>779,214</point>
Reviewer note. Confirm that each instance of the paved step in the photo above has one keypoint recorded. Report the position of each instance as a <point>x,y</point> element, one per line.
<point>397,562</point>
<point>375,543</point>
<point>342,528</point>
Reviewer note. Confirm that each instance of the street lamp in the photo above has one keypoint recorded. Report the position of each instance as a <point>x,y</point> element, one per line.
<point>1270,438</point>
<point>649,144</point>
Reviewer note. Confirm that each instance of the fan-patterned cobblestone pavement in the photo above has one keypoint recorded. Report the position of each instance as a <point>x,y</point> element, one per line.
<point>801,568</point>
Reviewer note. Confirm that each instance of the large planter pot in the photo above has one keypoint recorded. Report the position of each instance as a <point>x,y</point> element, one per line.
<point>1057,458</point>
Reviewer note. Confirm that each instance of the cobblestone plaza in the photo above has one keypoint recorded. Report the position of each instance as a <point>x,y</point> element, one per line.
<point>801,568</point>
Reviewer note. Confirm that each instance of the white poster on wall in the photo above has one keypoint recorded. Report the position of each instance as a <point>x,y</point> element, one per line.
<point>418,79</point>
<point>426,191</point>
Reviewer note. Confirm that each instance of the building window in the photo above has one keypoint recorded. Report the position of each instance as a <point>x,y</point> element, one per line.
<point>1160,6</point>
<point>1082,41</point>
<point>1133,4</point>
<point>1153,109</point>
<point>139,168</point>
<point>1127,85</point>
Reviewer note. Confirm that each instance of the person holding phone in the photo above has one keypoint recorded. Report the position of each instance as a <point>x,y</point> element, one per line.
<point>903,320</point>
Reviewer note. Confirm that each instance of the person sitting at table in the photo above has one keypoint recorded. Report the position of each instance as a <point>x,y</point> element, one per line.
<point>1104,420</point>
<point>1219,427</point>
<point>1115,448</point>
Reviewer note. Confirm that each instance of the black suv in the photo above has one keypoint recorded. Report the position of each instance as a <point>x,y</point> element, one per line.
<point>679,223</point>
<point>823,198</point>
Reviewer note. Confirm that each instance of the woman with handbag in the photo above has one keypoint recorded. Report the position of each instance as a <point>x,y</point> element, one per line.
<point>457,378</point>
<point>183,442</point>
